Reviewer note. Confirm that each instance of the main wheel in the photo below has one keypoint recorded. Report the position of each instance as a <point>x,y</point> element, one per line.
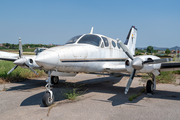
<point>54,79</point>
<point>149,86</point>
<point>47,101</point>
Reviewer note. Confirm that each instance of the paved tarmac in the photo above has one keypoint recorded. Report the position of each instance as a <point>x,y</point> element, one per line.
<point>104,99</point>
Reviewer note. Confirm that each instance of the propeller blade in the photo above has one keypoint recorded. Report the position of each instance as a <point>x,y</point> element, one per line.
<point>20,48</point>
<point>31,69</point>
<point>12,69</point>
<point>126,50</point>
<point>130,81</point>
<point>157,61</point>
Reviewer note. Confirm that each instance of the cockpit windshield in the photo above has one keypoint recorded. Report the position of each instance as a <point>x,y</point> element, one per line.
<point>90,39</point>
<point>74,39</point>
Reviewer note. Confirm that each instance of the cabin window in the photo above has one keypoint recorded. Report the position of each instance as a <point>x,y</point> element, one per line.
<point>90,39</point>
<point>74,39</point>
<point>105,41</point>
<point>114,44</point>
<point>118,45</point>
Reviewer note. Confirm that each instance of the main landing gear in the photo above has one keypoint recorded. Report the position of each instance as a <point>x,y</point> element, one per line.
<point>48,98</point>
<point>54,80</point>
<point>151,85</point>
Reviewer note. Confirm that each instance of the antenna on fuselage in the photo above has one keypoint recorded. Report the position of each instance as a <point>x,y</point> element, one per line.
<point>118,40</point>
<point>92,30</point>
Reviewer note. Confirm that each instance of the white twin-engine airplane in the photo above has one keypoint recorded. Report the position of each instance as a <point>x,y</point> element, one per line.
<point>94,53</point>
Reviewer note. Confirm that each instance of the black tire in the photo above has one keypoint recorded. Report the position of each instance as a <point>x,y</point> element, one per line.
<point>149,86</point>
<point>47,101</point>
<point>54,80</point>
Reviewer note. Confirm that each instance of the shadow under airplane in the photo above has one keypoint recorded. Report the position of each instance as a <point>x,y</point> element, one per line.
<point>101,85</point>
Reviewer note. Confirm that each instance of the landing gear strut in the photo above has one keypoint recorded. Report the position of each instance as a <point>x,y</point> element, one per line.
<point>48,98</point>
<point>151,85</point>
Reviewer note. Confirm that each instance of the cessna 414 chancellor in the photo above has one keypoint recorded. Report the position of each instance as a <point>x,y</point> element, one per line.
<point>95,53</point>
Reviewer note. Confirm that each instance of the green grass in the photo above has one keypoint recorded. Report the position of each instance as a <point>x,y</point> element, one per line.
<point>73,92</point>
<point>166,77</point>
<point>176,72</point>
<point>17,75</point>
<point>134,96</point>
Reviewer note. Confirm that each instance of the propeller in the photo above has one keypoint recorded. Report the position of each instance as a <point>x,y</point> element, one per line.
<point>21,60</point>
<point>138,64</point>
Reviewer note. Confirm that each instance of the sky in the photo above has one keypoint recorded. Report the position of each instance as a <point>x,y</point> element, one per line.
<point>56,21</point>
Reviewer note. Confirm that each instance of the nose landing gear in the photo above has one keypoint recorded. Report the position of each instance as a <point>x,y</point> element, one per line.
<point>48,98</point>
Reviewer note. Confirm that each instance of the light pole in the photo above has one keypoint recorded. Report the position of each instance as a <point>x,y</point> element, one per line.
<point>176,54</point>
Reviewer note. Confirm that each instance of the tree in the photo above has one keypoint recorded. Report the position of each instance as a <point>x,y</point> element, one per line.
<point>167,51</point>
<point>155,51</point>
<point>149,49</point>
<point>6,44</point>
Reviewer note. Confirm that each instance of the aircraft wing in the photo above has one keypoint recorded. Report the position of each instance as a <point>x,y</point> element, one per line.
<point>8,56</point>
<point>8,59</point>
<point>122,68</point>
<point>170,66</point>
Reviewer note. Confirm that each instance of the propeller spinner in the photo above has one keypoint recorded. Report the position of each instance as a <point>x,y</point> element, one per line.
<point>21,60</point>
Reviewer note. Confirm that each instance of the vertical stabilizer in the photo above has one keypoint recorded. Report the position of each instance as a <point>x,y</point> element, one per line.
<point>131,40</point>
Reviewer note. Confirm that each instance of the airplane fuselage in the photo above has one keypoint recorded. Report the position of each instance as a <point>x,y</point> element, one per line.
<point>82,57</point>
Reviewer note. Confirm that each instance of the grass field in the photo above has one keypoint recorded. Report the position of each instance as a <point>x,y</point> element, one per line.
<point>164,77</point>
<point>17,75</point>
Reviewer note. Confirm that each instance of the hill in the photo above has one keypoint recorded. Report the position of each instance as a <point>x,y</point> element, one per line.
<point>161,48</point>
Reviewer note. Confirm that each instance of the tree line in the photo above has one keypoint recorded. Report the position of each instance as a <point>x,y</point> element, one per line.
<point>25,46</point>
<point>149,50</point>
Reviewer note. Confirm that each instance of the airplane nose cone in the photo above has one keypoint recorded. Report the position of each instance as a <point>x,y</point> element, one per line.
<point>47,59</point>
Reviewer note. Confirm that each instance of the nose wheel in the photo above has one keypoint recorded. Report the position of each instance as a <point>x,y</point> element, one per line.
<point>48,98</point>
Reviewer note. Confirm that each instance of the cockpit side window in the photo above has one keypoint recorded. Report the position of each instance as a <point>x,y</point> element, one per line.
<point>90,39</point>
<point>74,39</point>
<point>105,41</point>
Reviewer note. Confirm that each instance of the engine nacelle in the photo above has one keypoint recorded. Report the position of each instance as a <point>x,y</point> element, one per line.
<point>137,63</point>
<point>31,62</point>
